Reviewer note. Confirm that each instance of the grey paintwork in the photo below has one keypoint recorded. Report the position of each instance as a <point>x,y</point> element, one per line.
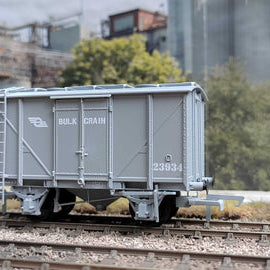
<point>101,141</point>
<point>130,136</point>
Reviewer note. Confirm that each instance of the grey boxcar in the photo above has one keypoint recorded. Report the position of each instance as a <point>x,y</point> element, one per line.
<point>101,142</point>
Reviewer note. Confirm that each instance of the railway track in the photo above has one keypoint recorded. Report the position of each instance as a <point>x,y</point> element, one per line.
<point>174,222</point>
<point>75,224</point>
<point>110,261</point>
<point>180,227</point>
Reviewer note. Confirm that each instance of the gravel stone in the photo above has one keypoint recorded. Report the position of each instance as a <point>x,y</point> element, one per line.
<point>115,239</point>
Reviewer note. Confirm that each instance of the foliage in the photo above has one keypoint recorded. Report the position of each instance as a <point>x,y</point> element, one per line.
<point>238,130</point>
<point>118,61</point>
<point>255,211</point>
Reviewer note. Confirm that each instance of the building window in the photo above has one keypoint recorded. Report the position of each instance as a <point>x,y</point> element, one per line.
<point>123,23</point>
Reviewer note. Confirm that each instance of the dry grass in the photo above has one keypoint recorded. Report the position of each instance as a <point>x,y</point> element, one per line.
<point>120,206</point>
<point>84,208</point>
<point>13,204</point>
<point>256,211</point>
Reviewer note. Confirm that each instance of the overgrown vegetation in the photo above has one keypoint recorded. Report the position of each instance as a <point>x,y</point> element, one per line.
<point>119,61</point>
<point>238,129</point>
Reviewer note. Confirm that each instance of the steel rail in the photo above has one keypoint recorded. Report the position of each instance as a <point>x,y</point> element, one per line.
<point>237,224</point>
<point>158,253</point>
<point>187,232</point>
<point>9,263</point>
<point>174,222</point>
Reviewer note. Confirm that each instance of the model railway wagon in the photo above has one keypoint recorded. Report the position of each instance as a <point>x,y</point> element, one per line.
<point>145,143</point>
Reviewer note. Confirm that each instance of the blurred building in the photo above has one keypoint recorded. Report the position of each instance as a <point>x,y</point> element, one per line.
<point>205,33</point>
<point>152,25</point>
<point>29,65</point>
<point>63,37</point>
<point>32,55</point>
<point>61,34</point>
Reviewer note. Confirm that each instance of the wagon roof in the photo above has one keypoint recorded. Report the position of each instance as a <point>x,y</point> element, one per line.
<point>103,90</point>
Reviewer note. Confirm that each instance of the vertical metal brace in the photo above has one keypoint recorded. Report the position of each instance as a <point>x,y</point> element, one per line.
<point>156,204</point>
<point>20,142</point>
<point>208,213</point>
<point>150,142</point>
<point>54,145</point>
<point>184,141</point>
<point>110,142</point>
<point>56,200</point>
<point>81,152</point>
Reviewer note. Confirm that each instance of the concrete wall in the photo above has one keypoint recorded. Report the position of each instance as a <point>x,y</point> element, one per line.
<point>210,35</point>
<point>205,33</point>
<point>175,31</point>
<point>27,65</point>
<point>252,37</point>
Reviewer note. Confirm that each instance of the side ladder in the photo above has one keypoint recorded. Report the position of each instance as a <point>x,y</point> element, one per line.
<point>3,123</point>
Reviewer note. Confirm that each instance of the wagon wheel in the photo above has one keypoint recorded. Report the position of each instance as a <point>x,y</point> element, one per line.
<point>65,197</point>
<point>47,207</point>
<point>167,209</point>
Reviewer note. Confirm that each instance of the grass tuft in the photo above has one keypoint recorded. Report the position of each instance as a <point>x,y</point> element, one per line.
<point>84,208</point>
<point>256,211</point>
<point>120,206</point>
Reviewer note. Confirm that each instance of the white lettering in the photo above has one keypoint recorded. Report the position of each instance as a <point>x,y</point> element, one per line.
<point>67,121</point>
<point>168,167</point>
<point>86,121</point>
<point>95,121</point>
<point>102,120</point>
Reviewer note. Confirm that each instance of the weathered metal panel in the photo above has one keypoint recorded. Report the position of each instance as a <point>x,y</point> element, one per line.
<point>67,138</point>
<point>202,137</point>
<point>11,138</point>
<point>168,135</point>
<point>198,129</point>
<point>37,140</point>
<point>83,125</point>
<point>188,169</point>
<point>96,137</point>
<point>130,138</point>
